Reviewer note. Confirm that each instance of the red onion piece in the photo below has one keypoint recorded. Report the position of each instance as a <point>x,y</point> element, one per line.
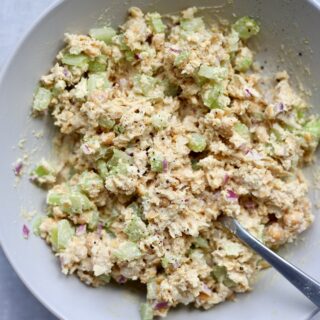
<point>248,92</point>
<point>25,231</point>
<point>161,305</point>
<point>85,149</point>
<point>99,229</point>
<point>81,230</point>
<point>165,165</point>
<point>122,279</point>
<point>65,72</point>
<point>175,50</point>
<point>250,205</point>
<point>225,179</point>
<point>17,169</point>
<point>138,56</point>
<point>232,195</point>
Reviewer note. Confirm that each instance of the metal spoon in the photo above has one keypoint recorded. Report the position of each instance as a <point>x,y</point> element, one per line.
<point>308,286</point>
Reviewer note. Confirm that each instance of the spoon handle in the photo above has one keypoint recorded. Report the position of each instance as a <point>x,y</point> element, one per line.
<point>308,286</point>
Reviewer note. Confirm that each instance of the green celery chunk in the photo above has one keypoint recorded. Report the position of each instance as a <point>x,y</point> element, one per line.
<point>98,81</point>
<point>77,60</point>
<point>313,127</point>
<point>118,157</point>
<point>36,225</point>
<point>102,168</point>
<point>160,120</point>
<point>202,243</point>
<point>136,208</point>
<point>105,278</point>
<point>103,34</point>
<point>144,84</point>
<point>146,311</point>
<point>136,229</point>
<point>197,142</point>
<point>194,24</point>
<point>181,57</point>
<point>98,65</point>
<point>127,251</point>
<point>214,98</point>
<point>42,99</point>
<point>246,27</point>
<point>106,123</point>
<point>61,235</point>
<point>155,22</point>
<point>119,129</point>
<point>81,89</point>
<point>156,162</point>
<point>94,220</point>
<point>43,173</point>
<point>89,180</point>
<point>242,130</point>
<point>214,73</point>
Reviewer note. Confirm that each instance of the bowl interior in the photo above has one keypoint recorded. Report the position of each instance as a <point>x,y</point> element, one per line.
<point>288,28</point>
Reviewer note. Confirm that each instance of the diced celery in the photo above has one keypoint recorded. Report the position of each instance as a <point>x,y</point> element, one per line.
<point>233,249</point>
<point>155,22</point>
<point>42,99</point>
<point>106,123</point>
<point>129,55</point>
<point>118,129</point>
<point>98,81</point>
<point>103,34</point>
<point>156,162</point>
<point>194,24</point>
<point>197,142</point>
<point>233,41</point>
<point>77,60</point>
<point>242,130</point>
<point>228,282</point>
<point>219,273</point>
<point>119,41</point>
<point>79,203</point>
<point>146,311</point>
<point>81,89</point>
<point>151,290</point>
<point>61,235</point>
<point>102,168</point>
<point>43,173</point>
<point>105,278</point>
<point>214,73</point>
<point>127,251</point>
<point>136,208</point>
<point>184,55</point>
<point>165,262</point>
<point>144,84</point>
<point>171,89</point>
<point>313,127</point>
<point>98,65</point>
<point>59,87</point>
<point>36,225</point>
<point>243,60</point>
<point>160,120</point>
<point>202,243</point>
<point>119,157</point>
<point>89,180</point>
<point>213,98</point>
<point>94,220</point>
<point>136,229</point>
<point>246,27</point>
<point>195,165</point>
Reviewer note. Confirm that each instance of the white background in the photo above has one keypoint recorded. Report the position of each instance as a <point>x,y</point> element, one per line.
<point>16,303</point>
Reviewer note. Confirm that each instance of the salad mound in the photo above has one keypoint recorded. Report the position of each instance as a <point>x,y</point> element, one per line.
<point>165,125</point>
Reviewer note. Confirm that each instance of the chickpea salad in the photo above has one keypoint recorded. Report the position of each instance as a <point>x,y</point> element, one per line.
<point>164,125</point>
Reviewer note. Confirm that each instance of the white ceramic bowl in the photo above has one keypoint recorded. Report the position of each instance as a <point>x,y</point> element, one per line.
<point>288,23</point>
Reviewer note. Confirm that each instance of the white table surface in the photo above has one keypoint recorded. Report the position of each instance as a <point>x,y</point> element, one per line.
<point>16,302</point>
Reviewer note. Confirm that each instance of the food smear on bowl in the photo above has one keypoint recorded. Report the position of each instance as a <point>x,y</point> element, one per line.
<point>164,127</point>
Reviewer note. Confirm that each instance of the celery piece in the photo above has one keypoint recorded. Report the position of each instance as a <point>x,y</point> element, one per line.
<point>313,127</point>
<point>155,22</point>
<point>151,290</point>
<point>127,251</point>
<point>219,273</point>
<point>118,129</point>
<point>144,84</point>
<point>214,73</point>
<point>136,229</point>
<point>195,165</point>
<point>81,89</point>
<point>171,89</point>
<point>246,27</point>
<point>233,41</point>
<point>194,24</point>
<point>89,180</point>
<point>228,282</point>
<point>36,225</point>
<point>105,278</point>
<point>181,57</point>
<point>42,99</point>
<point>98,81</point>
<point>243,60</point>
<point>160,120</point>
<point>156,162</point>
<point>117,158</point>
<point>146,311</point>
<point>242,130</point>
<point>136,208</point>
<point>106,123</point>
<point>61,235</point>
<point>129,55</point>
<point>197,142</point>
<point>102,168</point>
<point>59,87</point>
<point>103,34</point>
<point>202,243</point>
<point>77,60</point>
<point>43,173</point>
<point>94,220</point>
<point>98,65</point>
<point>213,98</point>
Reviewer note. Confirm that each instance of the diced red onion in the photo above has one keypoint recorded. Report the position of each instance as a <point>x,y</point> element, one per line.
<point>18,168</point>
<point>65,72</point>
<point>85,149</point>
<point>138,56</point>
<point>165,165</point>
<point>25,231</point>
<point>279,107</point>
<point>161,305</point>
<point>122,279</point>
<point>254,155</point>
<point>250,205</point>
<point>175,50</point>
<point>81,230</point>
<point>248,92</point>
<point>232,195</point>
<point>99,229</point>
<point>206,290</point>
<point>244,148</point>
<point>225,179</point>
